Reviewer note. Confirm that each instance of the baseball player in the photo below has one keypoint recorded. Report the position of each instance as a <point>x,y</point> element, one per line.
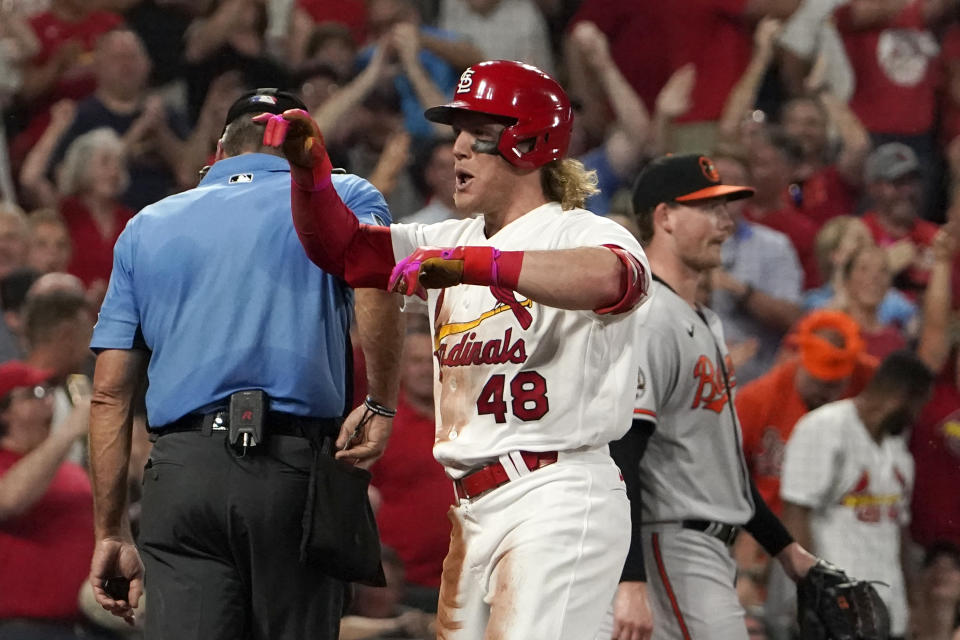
<point>682,459</point>
<point>848,477</point>
<point>534,370</point>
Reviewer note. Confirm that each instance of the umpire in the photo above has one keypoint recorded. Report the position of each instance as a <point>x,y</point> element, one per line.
<point>245,346</point>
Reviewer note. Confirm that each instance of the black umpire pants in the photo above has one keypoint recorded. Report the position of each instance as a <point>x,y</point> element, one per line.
<point>220,540</point>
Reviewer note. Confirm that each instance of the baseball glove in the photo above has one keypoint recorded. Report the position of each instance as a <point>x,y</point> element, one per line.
<point>833,606</point>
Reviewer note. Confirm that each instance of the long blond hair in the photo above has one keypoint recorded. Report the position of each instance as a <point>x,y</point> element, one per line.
<point>567,181</point>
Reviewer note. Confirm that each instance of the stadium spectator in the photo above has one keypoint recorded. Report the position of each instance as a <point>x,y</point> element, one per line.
<point>936,610</point>
<point>827,178</point>
<point>379,148</point>
<point>716,37</point>
<point>501,29</point>
<point>64,66</point>
<point>829,363</point>
<point>230,37</point>
<point>771,173</point>
<point>14,238</point>
<point>756,290</point>
<point>13,294</point>
<point>152,133</point>
<point>412,484</point>
<point>639,46</point>
<point>836,242</point>
<point>352,14</point>
<point>810,42</point>
<point>161,25</point>
<point>50,245</point>
<point>892,174</point>
<point>443,55</point>
<point>628,134</point>
<point>378,613</point>
<point>200,147</point>
<point>865,284</point>
<point>847,478</point>
<point>57,326</point>
<point>436,174</point>
<point>893,54</point>
<point>330,45</point>
<point>46,510</point>
<point>18,44</point>
<point>935,438</point>
<point>90,181</point>
<point>740,105</point>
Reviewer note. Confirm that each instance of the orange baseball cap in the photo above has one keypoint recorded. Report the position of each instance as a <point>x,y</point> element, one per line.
<point>820,357</point>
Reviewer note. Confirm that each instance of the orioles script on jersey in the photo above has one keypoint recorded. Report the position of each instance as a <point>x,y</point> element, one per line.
<point>711,391</point>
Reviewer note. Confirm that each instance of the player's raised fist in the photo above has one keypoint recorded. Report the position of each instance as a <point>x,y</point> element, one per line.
<point>301,141</point>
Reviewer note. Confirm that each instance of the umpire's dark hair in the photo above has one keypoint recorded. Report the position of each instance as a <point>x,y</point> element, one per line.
<point>243,135</point>
<point>901,372</point>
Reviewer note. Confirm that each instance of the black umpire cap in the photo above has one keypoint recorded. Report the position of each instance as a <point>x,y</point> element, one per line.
<point>263,101</point>
<point>681,179</point>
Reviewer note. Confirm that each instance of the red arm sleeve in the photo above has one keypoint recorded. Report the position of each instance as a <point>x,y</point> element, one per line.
<point>334,240</point>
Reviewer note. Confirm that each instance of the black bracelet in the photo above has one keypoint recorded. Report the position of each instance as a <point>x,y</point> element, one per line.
<point>379,409</point>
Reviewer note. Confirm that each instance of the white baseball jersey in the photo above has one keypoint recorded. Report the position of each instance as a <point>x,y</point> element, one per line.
<point>693,467</point>
<point>858,491</point>
<point>515,375</point>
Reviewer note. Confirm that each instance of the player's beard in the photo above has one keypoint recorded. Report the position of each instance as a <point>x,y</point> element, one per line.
<point>895,422</point>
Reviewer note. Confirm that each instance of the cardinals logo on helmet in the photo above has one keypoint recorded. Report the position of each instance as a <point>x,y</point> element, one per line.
<point>466,81</point>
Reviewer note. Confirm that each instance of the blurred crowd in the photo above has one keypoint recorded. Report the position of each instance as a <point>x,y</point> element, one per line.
<point>843,115</point>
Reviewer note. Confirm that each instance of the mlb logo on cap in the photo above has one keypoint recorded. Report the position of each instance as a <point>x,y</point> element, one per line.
<point>263,101</point>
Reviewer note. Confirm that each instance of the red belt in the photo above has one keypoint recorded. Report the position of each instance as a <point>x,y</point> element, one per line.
<point>494,475</point>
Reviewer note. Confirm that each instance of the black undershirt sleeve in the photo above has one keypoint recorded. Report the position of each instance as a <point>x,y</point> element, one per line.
<point>765,527</point>
<point>627,452</point>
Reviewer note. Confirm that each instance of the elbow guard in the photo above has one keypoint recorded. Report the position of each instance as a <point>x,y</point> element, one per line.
<point>634,282</point>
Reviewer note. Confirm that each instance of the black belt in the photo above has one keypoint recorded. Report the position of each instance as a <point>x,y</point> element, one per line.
<point>276,422</point>
<point>725,533</point>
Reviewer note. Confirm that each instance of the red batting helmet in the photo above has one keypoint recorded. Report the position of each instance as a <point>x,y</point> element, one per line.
<point>535,102</point>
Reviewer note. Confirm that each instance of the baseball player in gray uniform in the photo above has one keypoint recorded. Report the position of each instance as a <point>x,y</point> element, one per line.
<point>682,460</point>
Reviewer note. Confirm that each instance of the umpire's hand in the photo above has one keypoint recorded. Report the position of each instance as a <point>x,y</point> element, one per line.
<point>363,437</point>
<point>118,561</point>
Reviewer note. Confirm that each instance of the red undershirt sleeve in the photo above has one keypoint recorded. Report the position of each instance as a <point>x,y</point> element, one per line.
<point>334,240</point>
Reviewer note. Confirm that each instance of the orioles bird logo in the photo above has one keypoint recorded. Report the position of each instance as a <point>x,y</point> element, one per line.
<point>709,170</point>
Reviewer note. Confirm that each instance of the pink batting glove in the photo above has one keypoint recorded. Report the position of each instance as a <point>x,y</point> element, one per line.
<point>301,141</point>
<point>405,277</point>
<point>275,129</point>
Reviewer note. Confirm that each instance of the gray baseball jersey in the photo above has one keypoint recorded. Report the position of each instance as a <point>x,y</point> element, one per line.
<point>693,467</point>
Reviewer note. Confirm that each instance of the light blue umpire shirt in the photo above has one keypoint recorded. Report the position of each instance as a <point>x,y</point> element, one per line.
<point>215,284</point>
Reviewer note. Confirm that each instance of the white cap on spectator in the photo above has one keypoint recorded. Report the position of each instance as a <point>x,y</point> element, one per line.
<point>891,161</point>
